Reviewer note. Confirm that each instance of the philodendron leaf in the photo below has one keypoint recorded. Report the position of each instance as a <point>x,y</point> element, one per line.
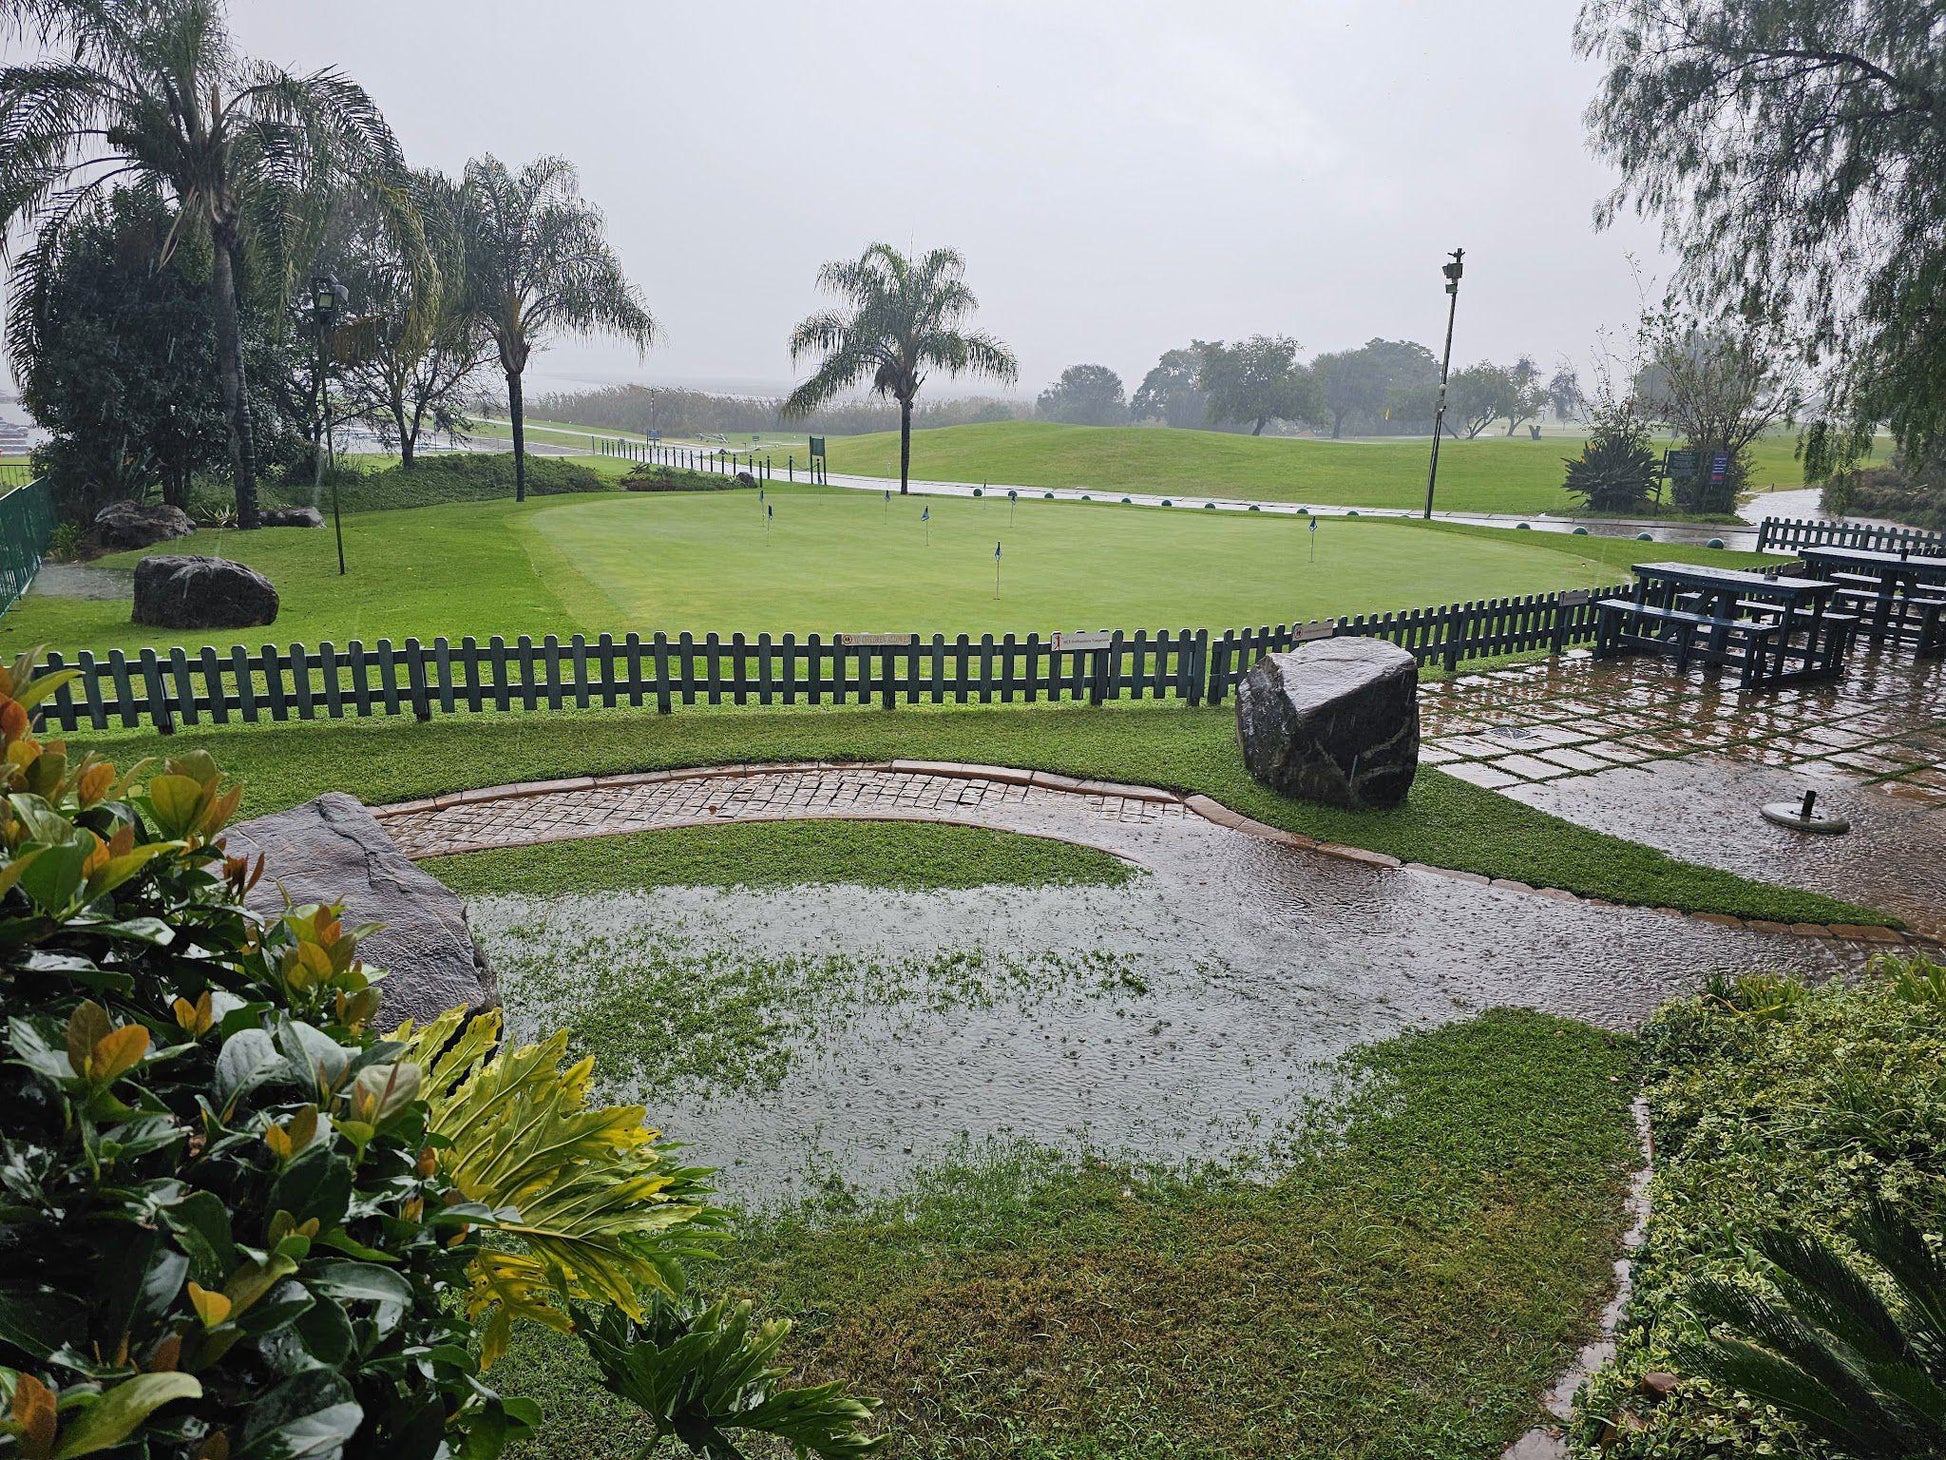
<point>173,804</point>
<point>248,1059</point>
<point>201,1225</point>
<point>117,1413</point>
<point>38,1320</point>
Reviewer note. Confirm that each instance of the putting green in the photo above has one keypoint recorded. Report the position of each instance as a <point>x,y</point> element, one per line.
<point>833,560</point>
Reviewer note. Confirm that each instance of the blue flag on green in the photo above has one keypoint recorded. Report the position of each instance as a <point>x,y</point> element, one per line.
<point>996,549</point>
<point>925,514</point>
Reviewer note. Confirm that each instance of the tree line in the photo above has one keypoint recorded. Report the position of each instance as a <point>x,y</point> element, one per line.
<point>184,205</point>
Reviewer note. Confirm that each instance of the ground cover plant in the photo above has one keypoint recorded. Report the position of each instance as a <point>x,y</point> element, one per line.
<point>1446,822</point>
<point>907,855</point>
<point>829,560</point>
<point>1781,1114</point>
<point>1406,1283</point>
<point>241,1221</point>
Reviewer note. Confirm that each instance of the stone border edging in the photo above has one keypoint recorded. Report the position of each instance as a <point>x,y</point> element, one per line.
<point>1205,807</point>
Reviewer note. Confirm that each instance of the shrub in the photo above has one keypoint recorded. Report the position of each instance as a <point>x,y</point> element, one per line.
<point>1616,471</point>
<point>237,1222</point>
<point>655,477</point>
<point>1772,1104</point>
<point>462,476</point>
<point>64,543</point>
<point>1915,495</point>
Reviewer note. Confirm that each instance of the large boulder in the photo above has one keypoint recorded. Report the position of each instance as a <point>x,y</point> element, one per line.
<point>292,517</point>
<point>332,850</point>
<point>131,524</point>
<point>1336,720</point>
<point>184,591</point>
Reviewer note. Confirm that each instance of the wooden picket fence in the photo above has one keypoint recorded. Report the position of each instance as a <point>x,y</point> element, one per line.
<point>1782,534</point>
<point>167,688</point>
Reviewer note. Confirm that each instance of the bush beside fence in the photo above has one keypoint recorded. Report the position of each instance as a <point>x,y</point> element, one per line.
<point>166,688</point>
<point>26,526</point>
<point>1781,534</point>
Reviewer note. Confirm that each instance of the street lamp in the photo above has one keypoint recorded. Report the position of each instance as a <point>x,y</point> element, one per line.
<point>328,298</point>
<point>1452,270</point>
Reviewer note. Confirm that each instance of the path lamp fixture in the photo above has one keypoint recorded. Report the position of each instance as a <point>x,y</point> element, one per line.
<point>328,298</point>
<point>1452,270</point>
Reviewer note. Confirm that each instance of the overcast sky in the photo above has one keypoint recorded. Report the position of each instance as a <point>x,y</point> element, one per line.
<point>1121,176</point>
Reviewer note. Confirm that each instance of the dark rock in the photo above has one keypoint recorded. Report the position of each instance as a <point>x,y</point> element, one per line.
<point>293,517</point>
<point>131,524</point>
<point>333,850</point>
<point>744,479</point>
<point>1336,721</point>
<point>188,592</point>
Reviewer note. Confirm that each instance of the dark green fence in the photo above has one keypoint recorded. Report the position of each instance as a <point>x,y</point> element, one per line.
<point>170,687</point>
<point>1781,534</point>
<point>26,524</point>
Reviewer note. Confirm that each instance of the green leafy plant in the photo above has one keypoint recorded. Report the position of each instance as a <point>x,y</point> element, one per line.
<point>238,1222</point>
<point>1616,471</point>
<point>1818,1342</point>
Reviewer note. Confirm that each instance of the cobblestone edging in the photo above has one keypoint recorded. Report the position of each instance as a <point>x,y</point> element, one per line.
<point>535,812</point>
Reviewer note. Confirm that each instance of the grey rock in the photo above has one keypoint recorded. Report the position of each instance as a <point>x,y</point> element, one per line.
<point>1335,721</point>
<point>744,479</point>
<point>183,591</point>
<point>131,524</point>
<point>293,517</point>
<point>332,850</point>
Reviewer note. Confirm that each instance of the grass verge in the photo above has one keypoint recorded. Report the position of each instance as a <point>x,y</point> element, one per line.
<point>1772,1104</point>
<point>1406,1288</point>
<point>908,856</point>
<point>1445,821</point>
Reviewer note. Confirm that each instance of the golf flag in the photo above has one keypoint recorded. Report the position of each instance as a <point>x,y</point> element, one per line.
<point>760,494</point>
<point>925,514</point>
<point>996,549</point>
<point>771,510</point>
<point>996,570</point>
<point>1314,524</point>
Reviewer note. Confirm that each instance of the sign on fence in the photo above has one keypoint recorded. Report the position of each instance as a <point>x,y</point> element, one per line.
<point>817,448</point>
<point>1573,596</point>
<point>864,641</point>
<point>1079,643</point>
<point>1323,628</point>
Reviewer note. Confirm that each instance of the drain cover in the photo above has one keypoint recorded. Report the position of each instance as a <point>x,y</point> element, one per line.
<point>1510,732</point>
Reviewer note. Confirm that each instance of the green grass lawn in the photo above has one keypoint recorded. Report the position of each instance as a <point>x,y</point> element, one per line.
<point>1445,821</point>
<point>833,560</point>
<point>1490,474</point>
<point>911,856</point>
<point>1406,1287</point>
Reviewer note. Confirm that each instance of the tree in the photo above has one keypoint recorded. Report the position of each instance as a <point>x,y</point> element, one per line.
<point>1564,394</point>
<point>1170,392</point>
<point>123,352</point>
<point>1359,384</point>
<point>537,264</point>
<point>1720,388</point>
<point>902,318</point>
<point>1085,395</point>
<point>1528,397</point>
<point>1791,150</point>
<point>1258,381</point>
<point>1478,396</point>
<point>153,90</point>
<point>411,349</point>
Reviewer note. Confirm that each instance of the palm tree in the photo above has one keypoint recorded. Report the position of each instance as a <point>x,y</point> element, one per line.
<point>902,318</point>
<point>537,262</point>
<point>152,91</point>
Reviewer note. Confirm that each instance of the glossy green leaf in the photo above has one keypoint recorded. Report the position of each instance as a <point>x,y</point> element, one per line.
<point>116,1413</point>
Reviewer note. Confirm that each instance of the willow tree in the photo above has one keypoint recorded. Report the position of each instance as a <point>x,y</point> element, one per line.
<point>1792,151</point>
<point>538,265</point>
<point>152,91</point>
<point>901,319</point>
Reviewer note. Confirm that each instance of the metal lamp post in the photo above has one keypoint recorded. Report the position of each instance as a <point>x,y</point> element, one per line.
<point>328,298</point>
<point>1452,271</point>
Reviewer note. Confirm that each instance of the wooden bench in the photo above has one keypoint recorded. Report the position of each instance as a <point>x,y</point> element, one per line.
<point>1752,639</point>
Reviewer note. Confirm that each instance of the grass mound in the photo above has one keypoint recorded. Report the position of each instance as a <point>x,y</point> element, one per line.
<point>909,856</point>
<point>1772,1104</point>
<point>1406,1288</point>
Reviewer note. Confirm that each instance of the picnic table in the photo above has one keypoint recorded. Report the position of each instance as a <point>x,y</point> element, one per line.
<point>1903,596</point>
<point>1773,628</point>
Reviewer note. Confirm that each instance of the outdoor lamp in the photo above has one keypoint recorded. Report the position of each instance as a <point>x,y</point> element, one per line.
<point>1453,270</point>
<point>328,296</point>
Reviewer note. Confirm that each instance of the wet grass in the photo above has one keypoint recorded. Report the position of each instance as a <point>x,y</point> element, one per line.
<point>1407,1286</point>
<point>1445,821</point>
<point>908,856</point>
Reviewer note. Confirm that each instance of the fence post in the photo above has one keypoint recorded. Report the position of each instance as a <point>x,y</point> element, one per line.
<point>415,672</point>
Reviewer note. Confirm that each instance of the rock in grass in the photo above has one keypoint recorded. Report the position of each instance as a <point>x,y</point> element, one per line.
<point>1335,721</point>
<point>184,591</point>
<point>131,524</point>
<point>293,517</point>
<point>333,850</point>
